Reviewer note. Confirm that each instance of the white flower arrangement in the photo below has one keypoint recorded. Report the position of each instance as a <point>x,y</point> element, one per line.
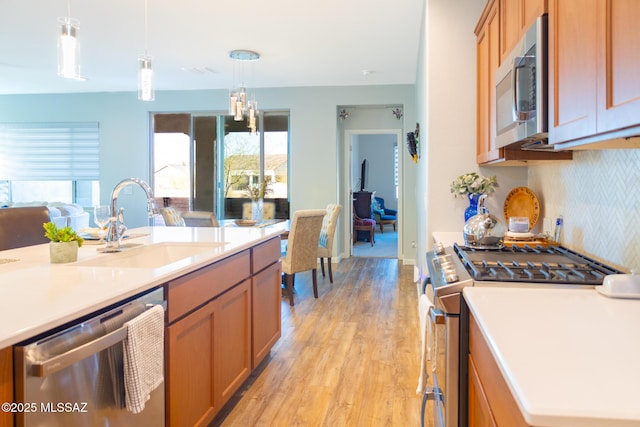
<point>472,183</point>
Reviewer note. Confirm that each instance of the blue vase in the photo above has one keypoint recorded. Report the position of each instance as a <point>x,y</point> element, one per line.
<point>473,206</point>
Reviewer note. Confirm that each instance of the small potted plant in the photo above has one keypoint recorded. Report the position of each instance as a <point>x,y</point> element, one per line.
<point>64,243</point>
<point>473,186</point>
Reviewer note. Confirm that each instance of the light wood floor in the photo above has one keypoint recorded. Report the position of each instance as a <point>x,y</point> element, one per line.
<point>349,358</point>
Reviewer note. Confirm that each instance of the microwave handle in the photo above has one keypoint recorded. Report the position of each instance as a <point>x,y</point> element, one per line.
<point>514,86</point>
<point>518,116</point>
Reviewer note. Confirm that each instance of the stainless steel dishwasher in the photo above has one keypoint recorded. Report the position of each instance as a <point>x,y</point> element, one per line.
<point>73,377</point>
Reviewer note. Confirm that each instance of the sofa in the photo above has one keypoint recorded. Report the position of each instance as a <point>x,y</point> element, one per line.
<point>61,214</point>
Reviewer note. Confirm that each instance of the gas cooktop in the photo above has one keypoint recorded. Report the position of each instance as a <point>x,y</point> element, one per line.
<point>554,264</point>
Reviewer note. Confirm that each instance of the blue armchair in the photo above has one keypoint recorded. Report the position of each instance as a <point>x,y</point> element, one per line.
<point>383,215</point>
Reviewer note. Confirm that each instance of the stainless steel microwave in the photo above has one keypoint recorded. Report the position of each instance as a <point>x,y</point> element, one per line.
<point>521,90</point>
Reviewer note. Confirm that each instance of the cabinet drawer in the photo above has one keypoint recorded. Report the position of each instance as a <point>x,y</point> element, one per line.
<point>188,292</point>
<point>266,254</point>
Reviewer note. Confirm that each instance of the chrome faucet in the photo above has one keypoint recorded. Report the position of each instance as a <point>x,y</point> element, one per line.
<point>116,227</point>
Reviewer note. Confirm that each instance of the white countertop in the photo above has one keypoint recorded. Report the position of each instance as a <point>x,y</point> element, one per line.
<point>570,357</point>
<point>36,296</point>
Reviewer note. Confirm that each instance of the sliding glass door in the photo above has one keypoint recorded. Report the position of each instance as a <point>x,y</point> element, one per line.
<point>208,162</point>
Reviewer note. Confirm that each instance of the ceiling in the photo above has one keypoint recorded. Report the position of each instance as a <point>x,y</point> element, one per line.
<point>319,43</point>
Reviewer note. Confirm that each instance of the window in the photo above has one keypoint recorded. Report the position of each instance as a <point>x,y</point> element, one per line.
<point>207,162</point>
<point>49,162</point>
<point>395,168</point>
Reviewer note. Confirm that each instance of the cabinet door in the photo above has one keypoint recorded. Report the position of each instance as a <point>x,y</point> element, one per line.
<point>530,10</point>
<point>488,60</point>
<point>233,340</point>
<point>479,410</point>
<point>510,25</point>
<point>6,384</point>
<point>190,369</point>
<point>266,318</point>
<point>572,69</point>
<point>618,64</point>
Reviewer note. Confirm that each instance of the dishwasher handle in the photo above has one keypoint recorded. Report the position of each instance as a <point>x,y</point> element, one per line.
<point>73,356</point>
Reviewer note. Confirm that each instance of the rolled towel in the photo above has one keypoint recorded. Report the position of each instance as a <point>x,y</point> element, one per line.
<point>143,357</point>
<point>424,305</point>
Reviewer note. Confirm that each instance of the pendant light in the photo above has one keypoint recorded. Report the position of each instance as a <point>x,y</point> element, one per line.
<point>146,91</point>
<point>69,47</point>
<point>238,104</point>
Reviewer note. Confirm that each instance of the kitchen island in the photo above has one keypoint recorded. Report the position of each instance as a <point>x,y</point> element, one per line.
<point>222,286</point>
<point>569,357</point>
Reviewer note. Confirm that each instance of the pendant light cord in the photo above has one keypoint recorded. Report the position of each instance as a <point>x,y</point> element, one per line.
<point>146,35</point>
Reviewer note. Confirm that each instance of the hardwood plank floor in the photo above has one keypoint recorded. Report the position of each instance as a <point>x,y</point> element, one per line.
<point>348,358</point>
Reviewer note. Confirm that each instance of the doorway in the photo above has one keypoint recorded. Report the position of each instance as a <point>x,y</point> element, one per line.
<point>378,150</point>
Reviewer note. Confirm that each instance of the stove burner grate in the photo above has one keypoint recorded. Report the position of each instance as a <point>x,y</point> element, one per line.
<point>532,265</point>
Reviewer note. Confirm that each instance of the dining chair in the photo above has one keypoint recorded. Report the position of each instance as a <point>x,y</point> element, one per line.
<point>302,248</point>
<point>172,217</point>
<point>22,226</point>
<point>200,219</point>
<point>325,245</point>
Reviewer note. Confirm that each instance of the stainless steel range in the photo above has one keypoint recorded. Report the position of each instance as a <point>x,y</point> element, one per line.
<point>451,269</point>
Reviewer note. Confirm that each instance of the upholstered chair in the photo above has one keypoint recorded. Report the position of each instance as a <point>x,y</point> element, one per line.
<point>302,248</point>
<point>268,210</point>
<point>22,226</point>
<point>363,224</point>
<point>325,245</point>
<point>200,219</point>
<point>172,217</point>
<point>383,215</point>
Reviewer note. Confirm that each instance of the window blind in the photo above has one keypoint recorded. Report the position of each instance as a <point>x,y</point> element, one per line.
<point>49,151</point>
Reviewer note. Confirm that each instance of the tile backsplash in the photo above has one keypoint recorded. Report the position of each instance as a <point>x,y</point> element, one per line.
<point>598,195</point>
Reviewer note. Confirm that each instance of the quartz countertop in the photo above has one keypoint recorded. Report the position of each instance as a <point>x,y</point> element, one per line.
<point>569,356</point>
<point>36,296</point>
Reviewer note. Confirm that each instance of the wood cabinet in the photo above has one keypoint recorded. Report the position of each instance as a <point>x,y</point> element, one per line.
<point>594,57</point>
<point>500,22</point>
<point>362,204</point>
<point>232,341</point>
<point>266,319</point>
<point>516,16</point>
<point>222,321</point>
<point>488,59</point>
<point>190,369</point>
<point>6,384</point>
<point>490,400</point>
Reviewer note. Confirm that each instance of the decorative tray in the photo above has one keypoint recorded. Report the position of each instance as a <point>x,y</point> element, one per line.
<point>522,201</point>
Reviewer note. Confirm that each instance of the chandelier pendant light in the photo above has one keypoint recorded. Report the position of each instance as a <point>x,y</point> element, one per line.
<point>146,91</point>
<point>238,103</point>
<point>69,47</point>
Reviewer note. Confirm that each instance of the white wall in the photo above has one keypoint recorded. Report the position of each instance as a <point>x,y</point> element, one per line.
<point>379,151</point>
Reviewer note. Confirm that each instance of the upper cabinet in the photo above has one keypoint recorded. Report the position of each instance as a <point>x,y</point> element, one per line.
<point>515,17</point>
<point>501,25</point>
<point>594,57</point>
<point>488,59</point>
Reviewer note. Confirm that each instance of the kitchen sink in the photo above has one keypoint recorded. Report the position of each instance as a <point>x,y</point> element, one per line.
<point>151,256</point>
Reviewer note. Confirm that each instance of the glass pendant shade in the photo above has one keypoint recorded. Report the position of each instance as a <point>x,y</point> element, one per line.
<point>69,48</point>
<point>238,104</point>
<point>145,78</point>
